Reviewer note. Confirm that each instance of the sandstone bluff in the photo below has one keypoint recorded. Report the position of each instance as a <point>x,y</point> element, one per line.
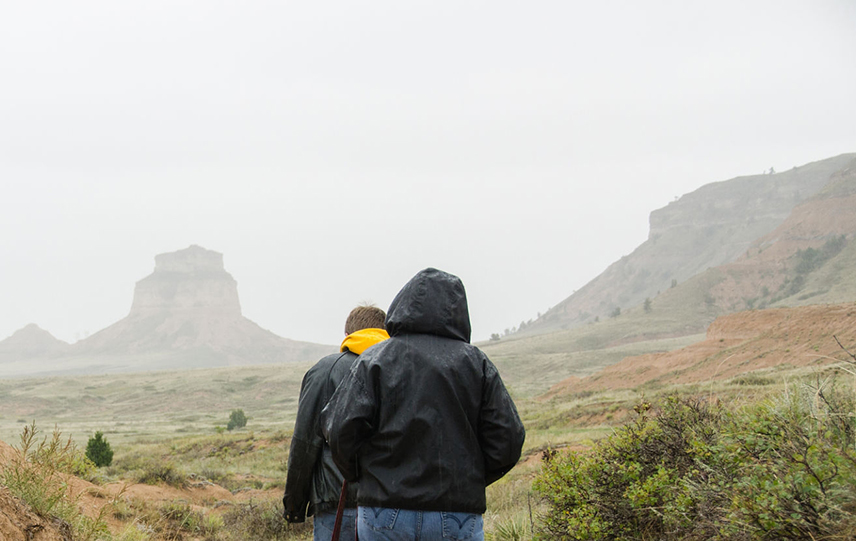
<point>185,314</point>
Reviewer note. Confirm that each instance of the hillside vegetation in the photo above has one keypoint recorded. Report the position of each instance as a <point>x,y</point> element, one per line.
<point>720,224</point>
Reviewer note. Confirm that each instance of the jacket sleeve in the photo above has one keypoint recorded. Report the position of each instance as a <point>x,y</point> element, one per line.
<point>501,432</point>
<point>349,418</point>
<point>306,445</point>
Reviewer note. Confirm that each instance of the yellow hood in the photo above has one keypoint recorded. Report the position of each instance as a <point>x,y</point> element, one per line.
<point>359,341</point>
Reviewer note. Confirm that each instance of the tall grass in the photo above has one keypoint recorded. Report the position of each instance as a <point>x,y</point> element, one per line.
<point>38,472</point>
<point>261,521</point>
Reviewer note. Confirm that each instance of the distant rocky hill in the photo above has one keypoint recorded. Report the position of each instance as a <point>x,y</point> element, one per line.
<point>31,342</point>
<point>186,314</point>
<point>808,258</point>
<point>746,229</point>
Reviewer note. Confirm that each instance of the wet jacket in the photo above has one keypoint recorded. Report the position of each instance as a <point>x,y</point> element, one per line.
<point>423,420</point>
<point>312,478</point>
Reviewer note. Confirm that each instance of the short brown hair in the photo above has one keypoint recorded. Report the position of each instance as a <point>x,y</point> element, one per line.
<point>365,317</point>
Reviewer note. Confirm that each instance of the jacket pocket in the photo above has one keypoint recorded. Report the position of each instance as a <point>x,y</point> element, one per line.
<point>378,518</point>
<point>461,526</point>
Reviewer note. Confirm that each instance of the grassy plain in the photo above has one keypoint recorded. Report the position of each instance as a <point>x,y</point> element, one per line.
<point>153,405</point>
<point>167,427</point>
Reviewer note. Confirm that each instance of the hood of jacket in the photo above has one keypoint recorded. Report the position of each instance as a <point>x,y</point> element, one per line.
<point>432,302</point>
<point>361,340</point>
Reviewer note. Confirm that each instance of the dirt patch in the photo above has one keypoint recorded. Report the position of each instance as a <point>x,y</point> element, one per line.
<point>17,520</point>
<point>736,344</point>
<point>89,497</point>
<point>257,495</point>
<point>19,523</point>
<point>6,452</point>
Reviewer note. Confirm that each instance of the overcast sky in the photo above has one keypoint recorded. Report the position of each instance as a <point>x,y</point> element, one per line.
<point>330,150</point>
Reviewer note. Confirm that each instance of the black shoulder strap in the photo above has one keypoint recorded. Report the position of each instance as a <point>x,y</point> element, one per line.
<point>330,388</point>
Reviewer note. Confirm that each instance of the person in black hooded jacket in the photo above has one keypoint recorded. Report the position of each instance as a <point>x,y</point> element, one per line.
<point>423,420</point>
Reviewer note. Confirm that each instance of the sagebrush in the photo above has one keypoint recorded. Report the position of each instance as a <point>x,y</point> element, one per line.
<point>691,470</point>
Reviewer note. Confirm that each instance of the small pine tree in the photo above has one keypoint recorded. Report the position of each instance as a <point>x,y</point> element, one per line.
<point>647,305</point>
<point>237,419</point>
<point>98,450</point>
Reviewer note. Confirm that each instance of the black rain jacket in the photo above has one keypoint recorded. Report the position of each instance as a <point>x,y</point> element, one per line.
<point>423,420</point>
<point>312,478</point>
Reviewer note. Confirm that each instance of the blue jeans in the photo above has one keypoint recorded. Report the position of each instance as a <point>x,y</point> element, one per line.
<point>384,524</point>
<point>324,522</point>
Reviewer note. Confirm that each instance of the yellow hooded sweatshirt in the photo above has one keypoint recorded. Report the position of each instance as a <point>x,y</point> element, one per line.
<point>359,341</point>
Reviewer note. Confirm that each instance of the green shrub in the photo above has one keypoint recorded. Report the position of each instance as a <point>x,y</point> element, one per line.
<point>154,472</point>
<point>633,485</point>
<point>797,466</point>
<point>237,419</point>
<point>148,468</point>
<point>810,259</point>
<point>173,520</point>
<point>98,450</point>
<point>783,469</point>
<point>752,379</point>
<point>179,517</point>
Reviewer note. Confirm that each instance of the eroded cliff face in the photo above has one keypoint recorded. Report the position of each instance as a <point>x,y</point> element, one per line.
<point>185,314</point>
<point>774,271</point>
<point>192,279</point>
<point>709,227</point>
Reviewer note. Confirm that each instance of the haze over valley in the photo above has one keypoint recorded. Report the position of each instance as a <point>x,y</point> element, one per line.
<point>779,239</point>
<point>652,208</point>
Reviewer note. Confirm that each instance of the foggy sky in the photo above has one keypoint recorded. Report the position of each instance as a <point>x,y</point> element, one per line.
<point>330,150</point>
